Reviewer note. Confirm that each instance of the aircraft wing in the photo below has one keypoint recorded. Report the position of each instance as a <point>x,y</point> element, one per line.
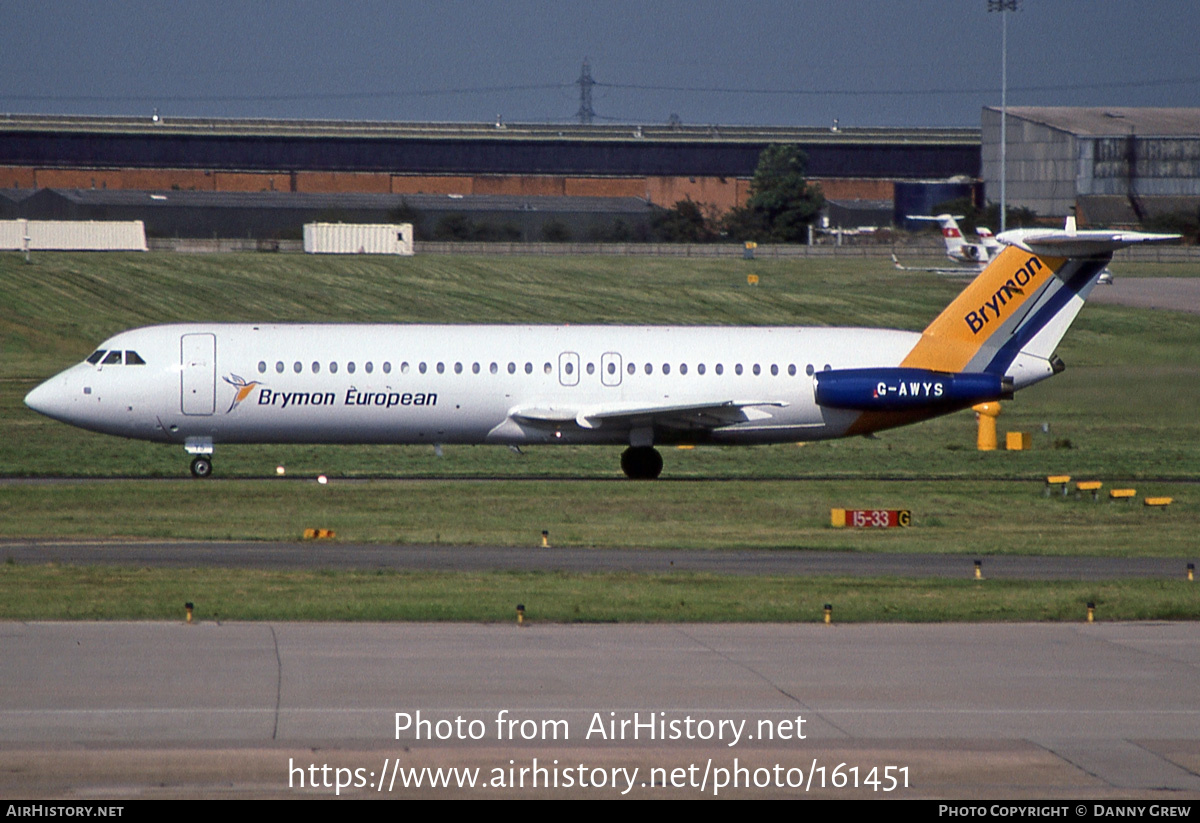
<point>709,415</point>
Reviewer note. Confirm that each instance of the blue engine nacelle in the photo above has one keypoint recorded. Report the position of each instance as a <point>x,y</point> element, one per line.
<point>898,389</point>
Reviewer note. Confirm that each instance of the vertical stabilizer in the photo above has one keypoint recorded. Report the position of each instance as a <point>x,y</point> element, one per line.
<point>1010,319</point>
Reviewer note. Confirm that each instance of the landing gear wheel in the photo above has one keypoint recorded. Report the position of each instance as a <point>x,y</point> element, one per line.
<point>641,462</point>
<point>201,467</point>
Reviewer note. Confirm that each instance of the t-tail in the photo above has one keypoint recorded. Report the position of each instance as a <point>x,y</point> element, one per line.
<point>1011,318</point>
<point>997,336</point>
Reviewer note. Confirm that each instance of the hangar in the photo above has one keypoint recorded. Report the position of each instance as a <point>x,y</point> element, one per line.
<point>662,165</point>
<point>1118,166</point>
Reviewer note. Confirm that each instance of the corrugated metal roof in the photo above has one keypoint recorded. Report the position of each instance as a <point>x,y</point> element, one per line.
<point>16,195</point>
<point>16,123</point>
<point>1112,121</point>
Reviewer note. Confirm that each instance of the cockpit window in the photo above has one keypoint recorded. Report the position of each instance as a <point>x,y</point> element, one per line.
<point>132,358</point>
<point>114,358</point>
<point>95,356</point>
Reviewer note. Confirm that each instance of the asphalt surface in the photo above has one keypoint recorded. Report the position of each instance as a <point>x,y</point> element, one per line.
<point>126,710</point>
<point>1171,293</point>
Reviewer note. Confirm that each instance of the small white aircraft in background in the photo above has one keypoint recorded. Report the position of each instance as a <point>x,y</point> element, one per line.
<point>974,256</point>
<point>199,384</point>
<point>957,247</point>
<point>978,254</point>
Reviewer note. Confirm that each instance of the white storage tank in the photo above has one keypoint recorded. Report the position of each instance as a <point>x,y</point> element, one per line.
<point>358,238</point>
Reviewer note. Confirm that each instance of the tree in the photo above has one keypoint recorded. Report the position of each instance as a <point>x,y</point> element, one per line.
<point>684,223</point>
<point>556,231</point>
<point>782,205</point>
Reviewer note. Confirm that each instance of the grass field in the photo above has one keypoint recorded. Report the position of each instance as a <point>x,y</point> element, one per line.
<point>1123,412</point>
<point>93,593</point>
<point>971,517</point>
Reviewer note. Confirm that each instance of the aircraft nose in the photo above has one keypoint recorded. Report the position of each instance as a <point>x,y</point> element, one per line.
<point>49,398</point>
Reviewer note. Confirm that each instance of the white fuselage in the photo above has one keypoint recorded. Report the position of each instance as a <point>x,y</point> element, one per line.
<point>243,383</point>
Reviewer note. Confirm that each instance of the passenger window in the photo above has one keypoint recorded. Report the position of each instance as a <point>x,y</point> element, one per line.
<point>493,368</point>
<point>96,357</point>
<point>720,369</point>
<point>512,368</point>
<point>529,368</point>
<point>631,369</point>
<point>404,367</point>
<point>421,368</point>
<point>279,367</point>
<point>737,369</point>
<point>791,370</point>
<point>649,369</point>
<point>316,367</point>
<point>569,368</point>
<point>441,368</point>
<point>333,367</point>
<point>458,368</point>
<point>774,370</point>
<point>350,367</point>
<point>262,366</point>
<point>757,370</point>
<point>612,368</point>
<point>547,368</point>
<point>700,368</point>
<point>809,370</point>
<point>369,366</point>
<point>683,368</point>
<point>474,368</point>
<point>387,367</point>
<point>297,367</point>
<point>132,358</point>
<point>666,368</point>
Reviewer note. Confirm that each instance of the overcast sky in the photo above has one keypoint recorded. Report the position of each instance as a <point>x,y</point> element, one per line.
<point>762,62</point>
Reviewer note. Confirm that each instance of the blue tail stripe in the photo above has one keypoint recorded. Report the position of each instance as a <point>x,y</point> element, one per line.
<point>1007,353</point>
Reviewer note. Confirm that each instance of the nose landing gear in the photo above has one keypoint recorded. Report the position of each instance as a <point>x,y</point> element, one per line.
<point>201,466</point>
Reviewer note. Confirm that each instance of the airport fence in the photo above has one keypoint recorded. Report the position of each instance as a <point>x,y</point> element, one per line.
<point>920,250</point>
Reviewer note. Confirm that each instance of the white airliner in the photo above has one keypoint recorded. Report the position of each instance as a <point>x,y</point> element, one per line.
<point>200,384</point>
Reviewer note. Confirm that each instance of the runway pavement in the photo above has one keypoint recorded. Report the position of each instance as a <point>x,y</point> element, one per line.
<point>126,710</point>
<point>1171,293</point>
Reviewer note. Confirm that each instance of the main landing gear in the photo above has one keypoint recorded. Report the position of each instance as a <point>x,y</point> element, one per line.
<point>201,466</point>
<point>641,462</point>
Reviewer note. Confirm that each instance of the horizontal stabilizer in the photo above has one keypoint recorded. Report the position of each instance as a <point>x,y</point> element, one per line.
<point>1066,243</point>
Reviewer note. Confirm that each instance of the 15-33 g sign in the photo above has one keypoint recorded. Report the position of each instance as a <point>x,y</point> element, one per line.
<point>869,518</point>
